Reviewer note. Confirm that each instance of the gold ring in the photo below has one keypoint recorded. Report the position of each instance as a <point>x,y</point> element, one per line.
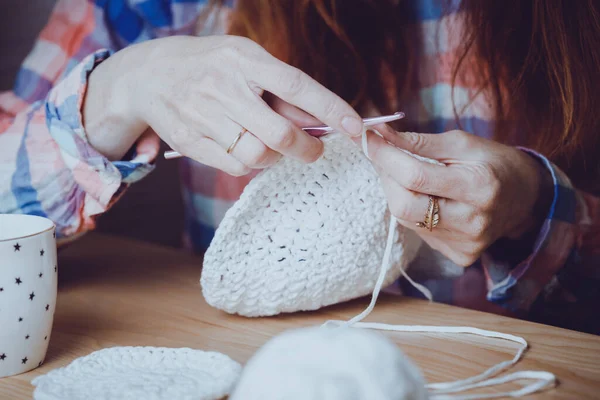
<point>236,140</point>
<point>432,217</point>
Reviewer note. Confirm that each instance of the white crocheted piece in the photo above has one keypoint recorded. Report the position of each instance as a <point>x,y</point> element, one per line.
<point>133,373</point>
<point>333,364</point>
<point>304,236</point>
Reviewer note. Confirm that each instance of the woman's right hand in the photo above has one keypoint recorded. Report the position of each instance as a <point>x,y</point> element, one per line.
<point>197,94</point>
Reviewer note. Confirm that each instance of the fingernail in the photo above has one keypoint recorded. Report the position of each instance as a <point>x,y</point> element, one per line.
<point>352,125</point>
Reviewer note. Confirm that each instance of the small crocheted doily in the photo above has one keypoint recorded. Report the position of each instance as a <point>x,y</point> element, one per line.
<point>304,236</point>
<point>133,373</point>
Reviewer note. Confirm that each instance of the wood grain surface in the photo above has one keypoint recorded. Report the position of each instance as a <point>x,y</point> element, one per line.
<point>120,292</point>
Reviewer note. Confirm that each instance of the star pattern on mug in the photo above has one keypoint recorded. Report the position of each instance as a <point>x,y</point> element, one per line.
<point>25,282</point>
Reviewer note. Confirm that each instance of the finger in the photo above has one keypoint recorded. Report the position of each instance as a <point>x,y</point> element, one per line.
<point>444,147</point>
<point>208,152</point>
<point>254,153</point>
<point>292,113</point>
<point>148,144</point>
<point>185,135</point>
<point>277,132</point>
<point>248,149</point>
<point>449,248</point>
<point>411,208</point>
<point>297,88</point>
<point>416,175</point>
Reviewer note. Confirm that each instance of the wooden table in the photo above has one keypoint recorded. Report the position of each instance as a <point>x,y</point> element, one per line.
<point>118,292</point>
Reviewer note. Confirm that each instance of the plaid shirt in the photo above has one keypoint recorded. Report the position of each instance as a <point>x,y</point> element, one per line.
<point>49,169</point>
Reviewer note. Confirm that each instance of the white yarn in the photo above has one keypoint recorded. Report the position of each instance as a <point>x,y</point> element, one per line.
<point>307,364</point>
<point>305,236</point>
<point>385,263</point>
<point>332,364</point>
<point>440,391</point>
<point>133,373</point>
<point>443,390</point>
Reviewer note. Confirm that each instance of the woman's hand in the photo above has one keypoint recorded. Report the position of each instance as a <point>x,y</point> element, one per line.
<point>198,94</point>
<point>486,191</point>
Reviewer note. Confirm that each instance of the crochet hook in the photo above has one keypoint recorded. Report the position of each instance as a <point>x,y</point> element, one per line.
<point>322,129</point>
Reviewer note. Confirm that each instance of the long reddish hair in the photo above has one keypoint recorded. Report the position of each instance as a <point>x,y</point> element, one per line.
<point>538,60</point>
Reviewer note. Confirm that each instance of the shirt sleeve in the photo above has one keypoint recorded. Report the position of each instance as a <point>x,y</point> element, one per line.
<point>560,276</point>
<point>48,167</point>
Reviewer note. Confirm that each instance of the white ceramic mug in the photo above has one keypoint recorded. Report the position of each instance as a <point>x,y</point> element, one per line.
<point>28,281</point>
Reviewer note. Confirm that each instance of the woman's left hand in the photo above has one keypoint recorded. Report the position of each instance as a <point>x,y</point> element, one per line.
<point>486,190</point>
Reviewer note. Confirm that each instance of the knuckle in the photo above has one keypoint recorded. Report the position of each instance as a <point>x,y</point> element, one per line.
<point>285,137</point>
<point>205,97</point>
<point>474,253</point>
<point>480,227</point>
<point>194,149</point>
<point>315,154</point>
<point>232,51</point>
<point>294,82</point>
<point>464,259</point>
<point>415,141</point>
<point>311,151</point>
<point>260,157</point>
<point>246,44</point>
<point>182,137</point>
<point>330,108</point>
<point>460,138</point>
<point>494,190</point>
<point>226,53</point>
<point>234,45</point>
<point>213,79</point>
<point>237,170</point>
<point>490,181</point>
<point>415,179</point>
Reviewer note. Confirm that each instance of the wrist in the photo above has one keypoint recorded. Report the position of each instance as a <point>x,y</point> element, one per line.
<point>543,196</point>
<point>110,120</point>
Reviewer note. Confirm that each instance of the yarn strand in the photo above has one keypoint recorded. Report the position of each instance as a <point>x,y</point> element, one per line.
<point>443,390</point>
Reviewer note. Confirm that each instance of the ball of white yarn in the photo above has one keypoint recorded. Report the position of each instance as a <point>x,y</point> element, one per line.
<point>333,364</point>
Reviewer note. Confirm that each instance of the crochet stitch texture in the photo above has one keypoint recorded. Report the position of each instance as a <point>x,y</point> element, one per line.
<point>304,236</point>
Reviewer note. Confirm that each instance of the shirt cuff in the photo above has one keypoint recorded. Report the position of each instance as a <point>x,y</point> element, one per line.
<point>101,179</point>
<point>517,286</point>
